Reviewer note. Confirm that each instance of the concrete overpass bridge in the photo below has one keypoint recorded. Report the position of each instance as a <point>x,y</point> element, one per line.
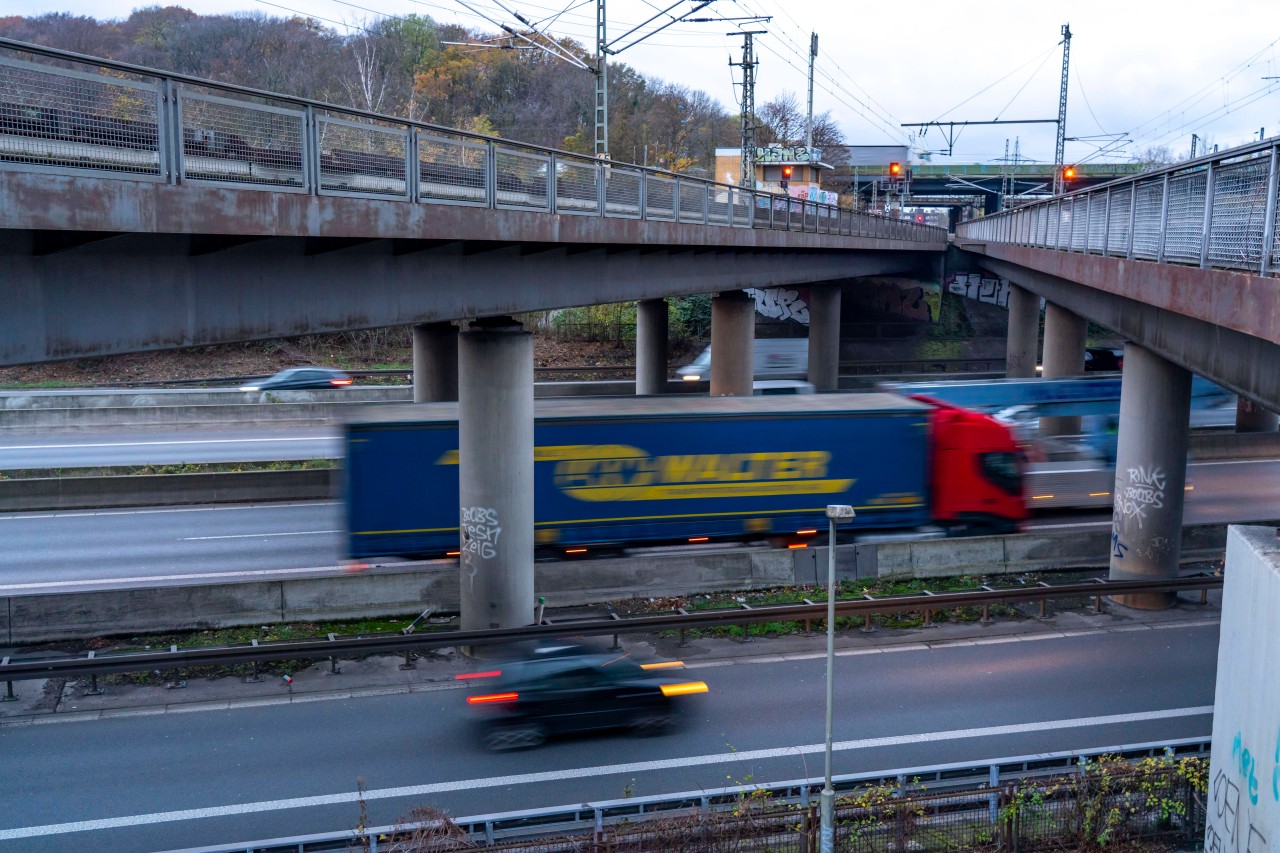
<point>1182,262</point>
<point>143,210</point>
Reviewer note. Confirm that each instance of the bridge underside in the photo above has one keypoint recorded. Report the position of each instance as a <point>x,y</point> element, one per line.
<point>138,266</point>
<point>1222,325</point>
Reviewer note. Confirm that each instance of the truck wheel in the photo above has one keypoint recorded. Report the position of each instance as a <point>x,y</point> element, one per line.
<point>523,736</point>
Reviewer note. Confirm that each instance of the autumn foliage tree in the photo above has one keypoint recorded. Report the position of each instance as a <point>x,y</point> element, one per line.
<point>403,66</point>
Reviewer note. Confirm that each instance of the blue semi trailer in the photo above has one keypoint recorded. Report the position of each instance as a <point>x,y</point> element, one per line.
<point>664,469</point>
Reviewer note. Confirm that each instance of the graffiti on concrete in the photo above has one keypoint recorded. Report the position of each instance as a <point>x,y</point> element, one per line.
<point>781,303</point>
<point>1235,823</point>
<point>993,291</point>
<point>1157,548</point>
<point>1117,547</point>
<point>1275,774</point>
<point>903,297</point>
<point>480,532</point>
<point>1245,763</point>
<point>1144,491</point>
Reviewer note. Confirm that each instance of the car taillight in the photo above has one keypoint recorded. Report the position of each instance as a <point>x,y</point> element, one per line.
<point>339,382</point>
<point>684,689</point>
<point>492,698</point>
<point>463,676</point>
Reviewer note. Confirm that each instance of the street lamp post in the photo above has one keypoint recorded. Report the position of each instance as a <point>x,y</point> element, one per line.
<point>835,512</point>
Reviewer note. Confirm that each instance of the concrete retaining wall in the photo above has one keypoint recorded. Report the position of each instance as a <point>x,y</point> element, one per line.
<point>58,493</point>
<point>413,587</point>
<point>1244,773</point>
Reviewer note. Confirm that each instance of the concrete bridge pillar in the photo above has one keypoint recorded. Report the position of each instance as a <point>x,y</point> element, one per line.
<point>495,474</point>
<point>824,336</point>
<point>1250,417</point>
<point>435,362</point>
<point>651,346</point>
<point>1024,334</point>
<point>733,315</point>
<point>1151,473</point>
<point>1064,334</point>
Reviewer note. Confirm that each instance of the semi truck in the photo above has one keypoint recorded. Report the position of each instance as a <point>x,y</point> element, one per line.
<point>645,470</point>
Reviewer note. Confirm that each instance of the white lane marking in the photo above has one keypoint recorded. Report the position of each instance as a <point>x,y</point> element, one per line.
<point>587,772</point>
<point>27,516</point>
<point>161,443</point>
<point>257,535</point>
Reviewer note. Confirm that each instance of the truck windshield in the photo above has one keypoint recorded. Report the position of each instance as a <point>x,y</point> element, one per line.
<point>1002,469</point>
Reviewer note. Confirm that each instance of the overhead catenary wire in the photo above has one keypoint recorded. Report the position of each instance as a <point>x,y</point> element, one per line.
<point>843,96</point>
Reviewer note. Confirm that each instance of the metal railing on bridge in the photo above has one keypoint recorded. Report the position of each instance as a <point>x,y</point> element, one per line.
<point>67,113</point>
<point>1214,212</point>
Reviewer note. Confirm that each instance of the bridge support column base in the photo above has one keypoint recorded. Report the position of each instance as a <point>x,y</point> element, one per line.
<point>1064,338</point>
<point>1250,417</point>
<point>495,475</point>
<point>732,344</point>
<point>435,362</point>
<point>651,346</point>
<point>1024,334</point>
<point>1151,474</point>
<point>824,336</point>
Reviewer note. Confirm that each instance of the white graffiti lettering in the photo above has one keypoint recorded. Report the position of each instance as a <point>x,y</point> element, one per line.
<point>1144,491</point>
<point>993,291</point>
<point>781,303</point>
<point>480,532</point>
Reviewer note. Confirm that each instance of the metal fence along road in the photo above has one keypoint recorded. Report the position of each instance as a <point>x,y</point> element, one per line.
<point>334,646</point>
<point>1214,212</point>
<point>67,113</point>
<point>937,807</point>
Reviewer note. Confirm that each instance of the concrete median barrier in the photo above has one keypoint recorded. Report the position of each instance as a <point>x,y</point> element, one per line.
<point>60,493</point>
<point>410,588</point>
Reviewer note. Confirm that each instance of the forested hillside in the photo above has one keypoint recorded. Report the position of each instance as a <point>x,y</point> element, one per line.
<point>404,66</point>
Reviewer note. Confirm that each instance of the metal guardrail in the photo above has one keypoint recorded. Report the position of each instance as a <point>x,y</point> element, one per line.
<point>1214,212</point>
<point>69,113</point>
<point>18,668</point>
<point>582,818</point>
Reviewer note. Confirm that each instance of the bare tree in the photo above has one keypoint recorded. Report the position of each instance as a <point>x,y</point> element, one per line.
<point>782,120</point>
<point>1154,157</point>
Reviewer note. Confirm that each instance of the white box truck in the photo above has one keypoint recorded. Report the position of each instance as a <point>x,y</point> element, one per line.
<point>773,358</point>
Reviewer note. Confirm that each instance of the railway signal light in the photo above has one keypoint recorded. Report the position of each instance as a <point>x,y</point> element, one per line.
<point>786,177</point>
<point>1069,173</point>
<point>895,170</point>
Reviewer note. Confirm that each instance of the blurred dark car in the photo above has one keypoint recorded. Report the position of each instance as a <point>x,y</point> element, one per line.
<point>558,691</point>
<point>1103,358</point>
<point>301,377</point>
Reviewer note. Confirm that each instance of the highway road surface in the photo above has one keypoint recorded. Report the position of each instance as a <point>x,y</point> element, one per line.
<point>171,447</point>
<point>46,550</point>
<point>159,781</point>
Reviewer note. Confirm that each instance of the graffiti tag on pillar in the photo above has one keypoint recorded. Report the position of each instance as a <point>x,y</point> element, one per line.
<point>780,303</point>
<point>1144,491</point>
<point>1246,764</point>
<point>1275,774</point>
<point>1224,813</point>
<point>1226,828</point>
<point>480,532</point>
<point>1158,547</point>
<point>1117,547</point>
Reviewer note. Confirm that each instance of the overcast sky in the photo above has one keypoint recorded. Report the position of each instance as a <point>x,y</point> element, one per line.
<point>1155,71</point>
